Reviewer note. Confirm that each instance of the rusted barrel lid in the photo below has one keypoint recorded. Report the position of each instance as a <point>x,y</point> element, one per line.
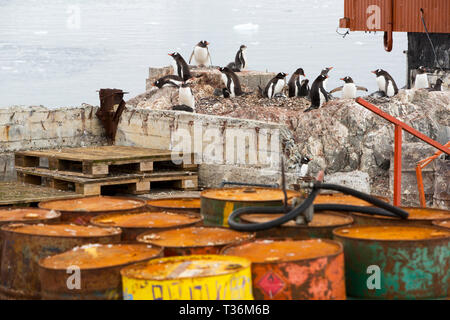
<point>392,233</point>
<point>94,204</point>
<point>442,224</point>
<point>320,220</point>
<point>185,267</point>
<point>60,230</point>
<point>95,256</point>
<point>195,237</point>
<point>339,198</point>
<point>278,251</point>
<point>27,214</point>
<point>157,219</point>
<point>249,194</point>
<point>416,214</point>
<point>175,203</point>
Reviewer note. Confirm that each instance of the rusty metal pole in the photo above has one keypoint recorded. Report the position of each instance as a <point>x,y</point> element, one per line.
<point>423,202</point>
<point>398,166</point>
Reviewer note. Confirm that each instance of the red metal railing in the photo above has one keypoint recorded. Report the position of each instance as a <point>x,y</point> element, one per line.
<point>399,127</point>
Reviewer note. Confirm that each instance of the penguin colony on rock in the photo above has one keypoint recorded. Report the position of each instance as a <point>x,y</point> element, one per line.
<point>298,85</point>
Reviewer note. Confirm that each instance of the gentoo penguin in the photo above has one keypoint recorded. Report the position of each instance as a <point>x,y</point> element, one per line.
<point>304,89</point>
<point>348,89</point>
<point>274,86</point>
<point>168,81</point>
<point>318,93</point>
<point>304,168</point>
<point>325,73</point>
<point>421,81</point>
<point>180,67</point>
<point>294,83</point>
<point>386,83</point>
<point>231,82</point>
<point>240,61</point>
<point>201,54</point>
<point>437,86</point>
<point>186,100</point>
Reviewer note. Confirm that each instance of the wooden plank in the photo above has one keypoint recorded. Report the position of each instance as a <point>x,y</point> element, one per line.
<point>16,193</point>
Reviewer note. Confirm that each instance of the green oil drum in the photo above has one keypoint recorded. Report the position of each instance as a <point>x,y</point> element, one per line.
<point>218,204</point>
<point>396,262</point>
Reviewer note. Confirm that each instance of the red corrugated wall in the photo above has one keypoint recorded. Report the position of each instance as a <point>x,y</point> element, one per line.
<point>405,15</point>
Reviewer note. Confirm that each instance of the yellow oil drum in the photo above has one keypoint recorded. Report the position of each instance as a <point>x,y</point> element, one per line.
<point>199,277</point>
<point>184,204</point>
<point>340,198</point>
<point>442,224</point>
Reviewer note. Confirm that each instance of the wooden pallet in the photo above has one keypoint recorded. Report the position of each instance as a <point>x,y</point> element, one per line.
<point>101,161</point>
<point>20,194</point>
<point>129,183</point>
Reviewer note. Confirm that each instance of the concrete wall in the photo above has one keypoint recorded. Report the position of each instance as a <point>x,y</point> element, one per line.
<point>25,128</point>
<point>259,152</point>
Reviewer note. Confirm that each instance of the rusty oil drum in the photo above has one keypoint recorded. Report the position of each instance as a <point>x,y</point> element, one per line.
<point>321,226</point>
<point>99,270</point>
<point>133,224</point>
<point>199,277</point>
<point>417,217</point>
<point>81,210</point>
<point>27,216</point>
<point>194,240</point>
<point>294,269</point>
<point>340,198</point>
<point>442,223</point>
<point>24,245</point>
<point>218,204</point>
<point>396,262</point>
<point>183,204</point>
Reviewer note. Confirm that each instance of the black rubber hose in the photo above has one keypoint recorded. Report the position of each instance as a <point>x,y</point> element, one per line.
<point>361,195</point>
<point>270,224</point>
<point>347,208</point>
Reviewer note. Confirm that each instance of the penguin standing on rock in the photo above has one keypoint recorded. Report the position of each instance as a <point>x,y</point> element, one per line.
<point>240,61</point>
<point>304,168</point>
<point>348,89</point>
<point>386,83</point>
<point>186,100</point>
<point>421,81</point>
<point>275,86</point>
<point>231,82</point>
<point>201,54</point>
<point>180,67</point>
<point>294,83</point>
<point>437,86</point>
<point>168,81</point>
<point>304,89</point>
<point>318,93</point>
<point>325,73</point>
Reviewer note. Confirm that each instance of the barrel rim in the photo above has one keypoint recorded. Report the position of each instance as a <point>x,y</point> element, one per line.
<point>159,254</point>
<point>13,208</point>
<point>195,215</point>
<point>399,219</point>
<point>252,236</point>
<point>313,227</point>
<point>438,223</point>
<point>388,240</point>
<point>246,264</point>
<point>331,241</point>
<point>5,229</point>
<point>173,208</point>
<point>202,195</point>
<point>143,204</point>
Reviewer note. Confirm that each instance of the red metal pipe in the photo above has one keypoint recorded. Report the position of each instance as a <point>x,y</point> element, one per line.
<point>398,166</point>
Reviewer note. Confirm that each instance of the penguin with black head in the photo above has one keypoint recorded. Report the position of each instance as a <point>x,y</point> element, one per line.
<point>318,94</point>
<point>304,168</point>
<point>421,81</point>
<point>240,61</point>
<point>201,54</point>
<point>180,67</point>
<point>386,83</point>
<point>294,83</point>
<point>437,86</point>
<point>349,89</point>
<point>274,86</point>
<point>186,99</point>
<point>304,89</point>
<point>231,82</point>
<point>168,81</point>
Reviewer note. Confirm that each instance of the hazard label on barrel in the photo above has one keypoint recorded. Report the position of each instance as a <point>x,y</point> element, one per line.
<point>271,284</point>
